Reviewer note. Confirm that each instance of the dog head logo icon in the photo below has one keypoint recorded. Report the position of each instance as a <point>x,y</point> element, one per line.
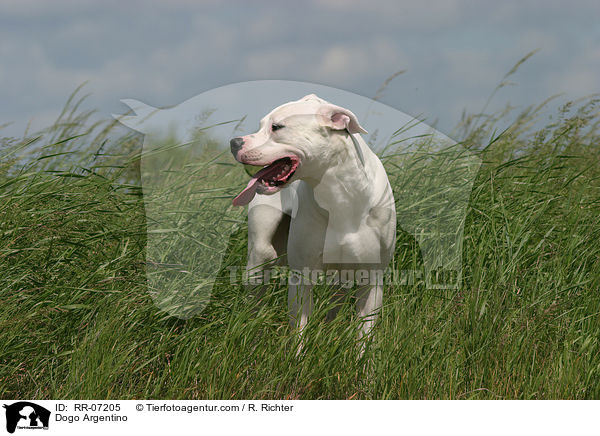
<point>26,415</point>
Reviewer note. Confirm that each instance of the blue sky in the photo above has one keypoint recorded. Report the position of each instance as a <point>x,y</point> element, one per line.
<point>454,52</point>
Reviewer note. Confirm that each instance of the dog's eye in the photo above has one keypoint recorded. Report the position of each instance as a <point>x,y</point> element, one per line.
<point>276,126</point>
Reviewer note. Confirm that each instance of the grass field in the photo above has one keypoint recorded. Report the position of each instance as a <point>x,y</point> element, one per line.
<point>77,320</point>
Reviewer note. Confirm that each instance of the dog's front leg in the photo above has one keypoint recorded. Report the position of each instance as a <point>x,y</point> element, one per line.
<point>268,228</point>
<point>368,306</point>
<point>300,306</point>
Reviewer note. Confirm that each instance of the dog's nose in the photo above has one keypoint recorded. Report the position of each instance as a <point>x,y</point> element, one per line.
<point>236,145</point>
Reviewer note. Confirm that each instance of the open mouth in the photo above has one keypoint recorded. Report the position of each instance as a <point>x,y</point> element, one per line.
<point>267,179</point>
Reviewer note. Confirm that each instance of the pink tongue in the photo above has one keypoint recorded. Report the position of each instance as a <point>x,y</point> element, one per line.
<point>247,194</point>
<point>271,172</point>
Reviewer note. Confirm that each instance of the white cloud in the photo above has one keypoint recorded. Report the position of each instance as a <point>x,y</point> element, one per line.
<point>41,7</point>
<point>475,67</point>
<point>455,51</point>
<point>338,64</point>
<point>538,39</point>
<point>424,13</point>
<point>578,78</point>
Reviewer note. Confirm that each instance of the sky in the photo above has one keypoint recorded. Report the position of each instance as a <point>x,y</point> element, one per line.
<point>453,52</point>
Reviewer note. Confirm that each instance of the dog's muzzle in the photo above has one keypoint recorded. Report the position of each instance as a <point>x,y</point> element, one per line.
<point>236,145</point>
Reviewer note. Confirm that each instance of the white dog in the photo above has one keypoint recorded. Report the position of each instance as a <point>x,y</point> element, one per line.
<point>325,203</point>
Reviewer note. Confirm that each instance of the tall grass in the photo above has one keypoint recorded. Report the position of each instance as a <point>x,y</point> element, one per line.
<point>77,320</point>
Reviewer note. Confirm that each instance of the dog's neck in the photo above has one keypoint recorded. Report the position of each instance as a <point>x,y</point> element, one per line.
<point>342,155</point>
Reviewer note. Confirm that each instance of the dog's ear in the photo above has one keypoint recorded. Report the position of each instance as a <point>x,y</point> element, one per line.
<point>339,118</point>
<point>313,97</point>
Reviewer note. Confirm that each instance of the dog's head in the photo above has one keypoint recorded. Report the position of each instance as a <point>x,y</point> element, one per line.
<point>294,141</point>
